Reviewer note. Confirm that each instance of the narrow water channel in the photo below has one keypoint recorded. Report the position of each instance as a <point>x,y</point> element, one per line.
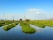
<point>36,27</point>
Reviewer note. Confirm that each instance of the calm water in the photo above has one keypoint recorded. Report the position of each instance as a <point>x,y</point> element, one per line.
<point>17,34</point>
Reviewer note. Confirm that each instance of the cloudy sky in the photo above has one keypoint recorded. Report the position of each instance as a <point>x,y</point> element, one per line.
<point>30,9</point>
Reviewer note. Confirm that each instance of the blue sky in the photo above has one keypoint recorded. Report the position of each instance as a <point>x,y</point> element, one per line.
<point>21,7</point>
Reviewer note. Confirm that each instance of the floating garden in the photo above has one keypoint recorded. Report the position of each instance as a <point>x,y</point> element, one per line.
<point>26,28</point>
<point>25,25</point>
<point>8,27</point>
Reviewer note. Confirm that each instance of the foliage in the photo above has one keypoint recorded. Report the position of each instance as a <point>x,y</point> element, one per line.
<point>26,28</point>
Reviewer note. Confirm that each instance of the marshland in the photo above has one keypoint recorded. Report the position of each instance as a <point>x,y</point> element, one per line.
<point>24,27</point>
<point>8,24</point>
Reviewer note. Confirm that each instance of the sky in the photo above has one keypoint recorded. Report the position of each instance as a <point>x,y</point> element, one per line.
<point>29,9</point>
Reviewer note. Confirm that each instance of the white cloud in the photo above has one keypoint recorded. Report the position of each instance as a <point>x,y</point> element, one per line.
<point>32,10</point>
<point>31,13</point>
<point>37,14</point>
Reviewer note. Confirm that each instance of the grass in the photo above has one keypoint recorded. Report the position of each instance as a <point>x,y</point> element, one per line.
<point>8,27</point>
<point>1,23</point>
<point>6,22</point>
<point>25,25</point>
<point>42,23</point>
<point>26,28</point>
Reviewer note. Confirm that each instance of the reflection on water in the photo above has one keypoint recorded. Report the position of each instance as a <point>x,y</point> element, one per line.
<point>36,27</point>
<point>17,34</point>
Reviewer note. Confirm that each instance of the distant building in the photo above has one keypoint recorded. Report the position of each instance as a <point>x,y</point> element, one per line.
<point>20,20</point>
<point>27,19</point>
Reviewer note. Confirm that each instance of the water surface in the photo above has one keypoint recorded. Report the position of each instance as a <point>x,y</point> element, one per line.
<point>17,34</point>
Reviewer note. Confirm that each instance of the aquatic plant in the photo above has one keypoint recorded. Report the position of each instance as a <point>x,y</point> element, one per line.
<point>8,27</point>
<point>1,24</point>
<point>26,28</point>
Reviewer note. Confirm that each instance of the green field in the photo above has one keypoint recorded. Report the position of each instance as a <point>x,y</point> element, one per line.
<point>41,23</point>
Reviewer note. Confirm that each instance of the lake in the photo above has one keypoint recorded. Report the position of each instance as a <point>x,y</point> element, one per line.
<point>17,34</point>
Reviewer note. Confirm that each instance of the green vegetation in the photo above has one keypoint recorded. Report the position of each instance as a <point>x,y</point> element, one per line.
<point>1,23</point>
<point>41,23</point>
<point>26,28</point>
<point>6,22</point>
<point>9,26</point>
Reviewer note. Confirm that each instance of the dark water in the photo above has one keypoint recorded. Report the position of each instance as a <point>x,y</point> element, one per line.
<point>17,34</point>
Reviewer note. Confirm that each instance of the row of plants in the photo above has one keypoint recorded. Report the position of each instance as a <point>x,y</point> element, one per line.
<point>2,23</point>
<point>8,27</point>
<point>26,28</point>
<point>6,22</point>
